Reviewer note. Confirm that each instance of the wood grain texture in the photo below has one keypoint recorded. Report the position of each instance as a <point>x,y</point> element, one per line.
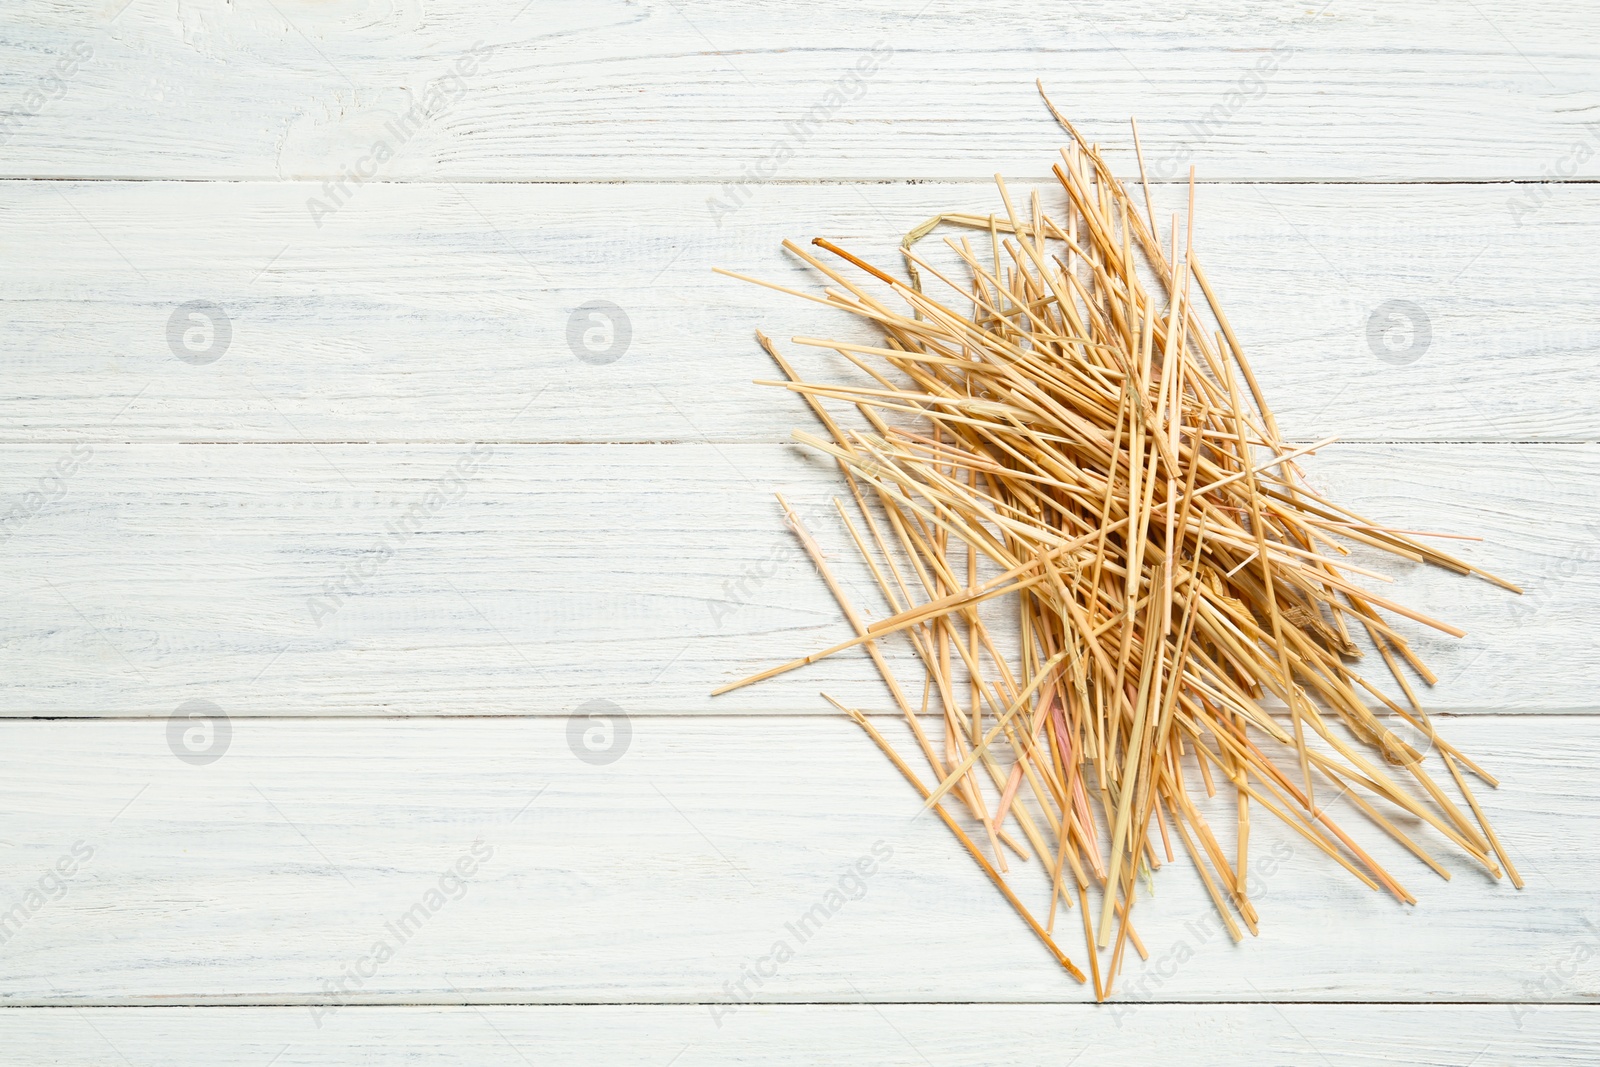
<point>606,90</point>
<point>519,579</point>
<point>971,1035</point>
<point>263,876</point>
<point>437,312</point>
<point>167,527</point>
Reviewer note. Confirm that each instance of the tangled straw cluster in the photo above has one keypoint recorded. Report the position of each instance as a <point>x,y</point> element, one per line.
<point>1081,439</point>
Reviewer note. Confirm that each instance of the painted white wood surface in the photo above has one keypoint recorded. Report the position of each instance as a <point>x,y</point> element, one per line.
<point>272,579</point>
<point>608,90</point>
<point>436,312</point>
<point>659,876</point>
<point>968,1035</point>
<point>577,160</point>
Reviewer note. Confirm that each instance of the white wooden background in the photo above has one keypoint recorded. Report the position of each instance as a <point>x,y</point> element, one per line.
<point>164,525</point>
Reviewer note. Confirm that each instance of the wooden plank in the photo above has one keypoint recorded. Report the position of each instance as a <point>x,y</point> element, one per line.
<point>438,312</point>
<point>362,558</point>
<point>608,90</point>
<point>272,874</point>
<point>518,579</point>
<point>1178,1034</point>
